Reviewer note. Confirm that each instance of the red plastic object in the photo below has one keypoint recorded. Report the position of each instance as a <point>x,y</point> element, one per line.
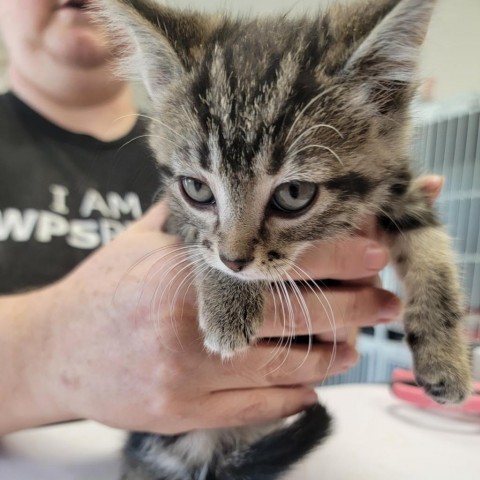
<point>405,387</point>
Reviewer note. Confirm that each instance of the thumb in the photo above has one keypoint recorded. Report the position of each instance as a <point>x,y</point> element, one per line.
<point>153,219</point>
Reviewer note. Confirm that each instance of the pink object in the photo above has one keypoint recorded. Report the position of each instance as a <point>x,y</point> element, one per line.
<point>405,387</point>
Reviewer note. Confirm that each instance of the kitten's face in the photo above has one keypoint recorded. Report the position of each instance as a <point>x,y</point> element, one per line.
<point>273,133</point>
<point>254,187</point>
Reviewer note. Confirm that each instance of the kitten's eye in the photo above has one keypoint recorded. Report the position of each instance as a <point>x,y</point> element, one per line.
<point>294,196</point>
<point>197,191</point>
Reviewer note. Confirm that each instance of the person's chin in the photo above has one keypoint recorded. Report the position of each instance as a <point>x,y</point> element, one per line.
<point>82,48</point>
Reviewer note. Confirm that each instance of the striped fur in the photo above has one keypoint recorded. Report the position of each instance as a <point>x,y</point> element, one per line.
<point>246,105</point>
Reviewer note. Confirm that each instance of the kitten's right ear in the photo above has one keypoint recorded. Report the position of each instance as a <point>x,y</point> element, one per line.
<point>161,43</point>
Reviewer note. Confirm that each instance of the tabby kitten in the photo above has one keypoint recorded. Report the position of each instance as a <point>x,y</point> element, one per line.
<point>270,134</point>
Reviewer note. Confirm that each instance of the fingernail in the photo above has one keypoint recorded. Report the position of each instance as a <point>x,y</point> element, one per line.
<point>311,398</point>
<point>375,258</point>
<point>352,359</point>
<point>348,357</point>
<point>438,179</point>
<point>390,310</point>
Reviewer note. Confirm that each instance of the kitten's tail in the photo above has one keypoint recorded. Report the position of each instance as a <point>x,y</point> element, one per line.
<point>277,452</point>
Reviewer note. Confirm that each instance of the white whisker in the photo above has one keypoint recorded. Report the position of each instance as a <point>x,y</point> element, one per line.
<point>278,348</point>
<point>155,314</point>
<point>315,127</point>
<point>167,289</point>
<point>306,316</point>
<point>174,247</point>
<point>323,147</point>
<point>275,314</point>
<point>198,259</point>
<point>134,139</point>
<point>165,270</point>
<point>283,292</point>
<point>165,125</point>
<point>329,313</point>
<point>304,109</point>
<point>170,251</point>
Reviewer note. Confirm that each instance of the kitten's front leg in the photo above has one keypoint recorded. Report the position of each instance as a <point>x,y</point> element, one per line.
<point>434,311</point>
<point>231,311</point>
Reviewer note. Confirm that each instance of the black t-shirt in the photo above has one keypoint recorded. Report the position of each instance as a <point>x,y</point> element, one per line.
<point>62,195</point>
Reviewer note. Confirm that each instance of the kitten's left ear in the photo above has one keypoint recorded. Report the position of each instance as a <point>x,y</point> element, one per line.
<point>386,61</point>
<point>161,43</point>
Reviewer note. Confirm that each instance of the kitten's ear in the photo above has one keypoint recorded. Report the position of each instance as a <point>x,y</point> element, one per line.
<point>386,60</point>
<point>161,42</point>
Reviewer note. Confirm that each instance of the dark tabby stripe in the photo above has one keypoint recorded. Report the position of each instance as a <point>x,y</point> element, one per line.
<point>204,156</point>
<point>408,222</point>
<point>352,184</point>
<point>199,89</point>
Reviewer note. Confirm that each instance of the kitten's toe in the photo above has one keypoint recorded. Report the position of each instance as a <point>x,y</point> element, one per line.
<point>441,392</point>
<point>446,386</point>
<point>226,345</point>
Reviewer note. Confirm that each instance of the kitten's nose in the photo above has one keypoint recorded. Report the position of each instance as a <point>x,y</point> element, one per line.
<point>236,265</point>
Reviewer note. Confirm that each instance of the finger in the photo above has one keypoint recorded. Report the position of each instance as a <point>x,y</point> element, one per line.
<point>348,259</point>
<point>254,406</point>
<point>374,281</point>
<point>431,185</point>
<point>344,335</point>
<point>272,364</point>
<point>315,311</point>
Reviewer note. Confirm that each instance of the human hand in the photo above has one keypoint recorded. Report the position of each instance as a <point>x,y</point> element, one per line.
<point>112,342</point>
<point>123,347</point>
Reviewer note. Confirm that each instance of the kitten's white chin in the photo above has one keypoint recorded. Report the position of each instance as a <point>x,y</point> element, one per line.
<point>248,275</point>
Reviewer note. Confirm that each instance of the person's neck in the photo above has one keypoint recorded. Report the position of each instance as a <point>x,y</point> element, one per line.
<point>104,110</point>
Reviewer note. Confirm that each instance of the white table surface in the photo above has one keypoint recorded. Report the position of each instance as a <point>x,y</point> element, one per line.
<point>376,437</point>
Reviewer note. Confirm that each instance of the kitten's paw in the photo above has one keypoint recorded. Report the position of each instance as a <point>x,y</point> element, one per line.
<point>227,344</point>
<point>446,384</point>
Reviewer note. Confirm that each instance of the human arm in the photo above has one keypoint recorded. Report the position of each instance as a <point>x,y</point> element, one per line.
<point>24,328</point>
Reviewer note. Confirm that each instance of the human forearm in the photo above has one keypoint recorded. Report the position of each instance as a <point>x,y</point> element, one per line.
<point>26,399</point>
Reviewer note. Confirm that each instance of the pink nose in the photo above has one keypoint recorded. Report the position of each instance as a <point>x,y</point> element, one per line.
<point>236,265</point>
